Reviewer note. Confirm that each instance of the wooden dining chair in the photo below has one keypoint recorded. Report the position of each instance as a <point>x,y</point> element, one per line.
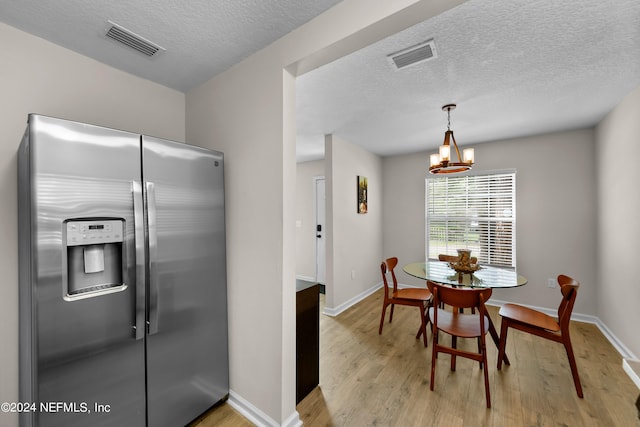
<point>414,297</point>
<point>534,322</point>
<point>460,325</point>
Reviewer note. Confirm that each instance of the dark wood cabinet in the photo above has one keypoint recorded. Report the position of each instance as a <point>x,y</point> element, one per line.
<point>307,338</point>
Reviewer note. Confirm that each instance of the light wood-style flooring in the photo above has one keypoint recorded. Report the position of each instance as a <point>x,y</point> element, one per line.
<point>368,379</point>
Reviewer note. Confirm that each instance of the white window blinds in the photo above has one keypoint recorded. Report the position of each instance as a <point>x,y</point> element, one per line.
<point>475,212</point>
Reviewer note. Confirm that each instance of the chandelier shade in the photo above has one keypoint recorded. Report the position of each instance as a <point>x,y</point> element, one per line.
<point>440,163</point>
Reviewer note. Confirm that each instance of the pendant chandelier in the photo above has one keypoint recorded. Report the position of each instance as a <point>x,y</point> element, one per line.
<point>441,162</point>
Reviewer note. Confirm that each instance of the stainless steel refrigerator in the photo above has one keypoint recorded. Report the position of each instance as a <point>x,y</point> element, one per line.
<point>123,299</point>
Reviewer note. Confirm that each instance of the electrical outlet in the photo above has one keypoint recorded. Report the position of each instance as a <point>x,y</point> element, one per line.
<point>551,283</point>
<point>353,274</point>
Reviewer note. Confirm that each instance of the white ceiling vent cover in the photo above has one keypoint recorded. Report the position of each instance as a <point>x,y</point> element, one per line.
<point>132,40</point>
<point>413,55</point>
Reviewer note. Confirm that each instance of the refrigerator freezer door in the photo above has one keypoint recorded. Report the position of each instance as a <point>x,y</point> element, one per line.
<point>187,361</point>
<point>82,355</point>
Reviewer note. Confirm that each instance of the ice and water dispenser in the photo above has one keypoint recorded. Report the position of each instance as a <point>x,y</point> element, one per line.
<point>94,250</point>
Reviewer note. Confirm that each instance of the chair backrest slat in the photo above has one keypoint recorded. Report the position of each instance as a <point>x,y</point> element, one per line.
<point>386,266</point>
<point>391,265</point>
<point>569,288</point>
<point>459,297</point>
<point>383,269</point>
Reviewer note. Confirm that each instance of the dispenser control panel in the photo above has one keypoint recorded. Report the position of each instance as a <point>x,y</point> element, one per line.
<point>94,232</point>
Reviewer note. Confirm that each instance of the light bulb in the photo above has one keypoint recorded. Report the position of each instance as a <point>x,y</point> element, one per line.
<point>468,155</point>
<point>445,152</point>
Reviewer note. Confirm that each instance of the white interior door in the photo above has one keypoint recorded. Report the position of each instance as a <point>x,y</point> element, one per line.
<point>321,252</point>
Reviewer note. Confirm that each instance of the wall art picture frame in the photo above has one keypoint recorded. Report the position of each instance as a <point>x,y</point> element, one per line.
<point>363,206</point>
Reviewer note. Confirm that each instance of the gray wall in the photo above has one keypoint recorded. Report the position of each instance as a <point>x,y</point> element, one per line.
<point>555,208</point>
<point>354,241</point>
<point>577,201</point>
<point>618,149</point>
<point>403,233</point>
<point>39,77</point>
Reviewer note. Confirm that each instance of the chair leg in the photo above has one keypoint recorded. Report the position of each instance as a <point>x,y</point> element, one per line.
<point>423,326</point>
<point>430,322</point>
<point>427,320</point>
<point>391,315</point>
<point>503,341</point>
<point>454,344</point>
<point>434,356</point>
<point>486,371</point>
<point>384,311</point>
<point>572,362</point>
<point>480,351</point>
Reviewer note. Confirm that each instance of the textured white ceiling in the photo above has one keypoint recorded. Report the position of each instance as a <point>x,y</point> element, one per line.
<point>202,37</point>
<point>515,68</point>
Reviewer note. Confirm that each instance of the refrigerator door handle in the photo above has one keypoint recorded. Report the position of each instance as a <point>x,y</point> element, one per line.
<point>153,258</point>
<point>138,223</point>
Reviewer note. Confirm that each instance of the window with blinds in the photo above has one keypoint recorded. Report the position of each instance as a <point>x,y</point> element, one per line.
<point>475,212</point>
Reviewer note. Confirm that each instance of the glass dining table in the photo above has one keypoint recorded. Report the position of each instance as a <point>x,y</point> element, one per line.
<point>486,277</point>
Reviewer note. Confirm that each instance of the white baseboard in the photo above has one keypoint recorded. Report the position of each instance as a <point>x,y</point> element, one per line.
<point>306,278</point>
<point>256,416</point>
<point>622,349</point>
<point>584,318</point>
<point>632,368</point>
<point>331,311</point>
<point>293,420</point>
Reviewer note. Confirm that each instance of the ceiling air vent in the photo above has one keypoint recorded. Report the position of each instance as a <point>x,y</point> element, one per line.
<point>413,55</point>
<point>131,39</point>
